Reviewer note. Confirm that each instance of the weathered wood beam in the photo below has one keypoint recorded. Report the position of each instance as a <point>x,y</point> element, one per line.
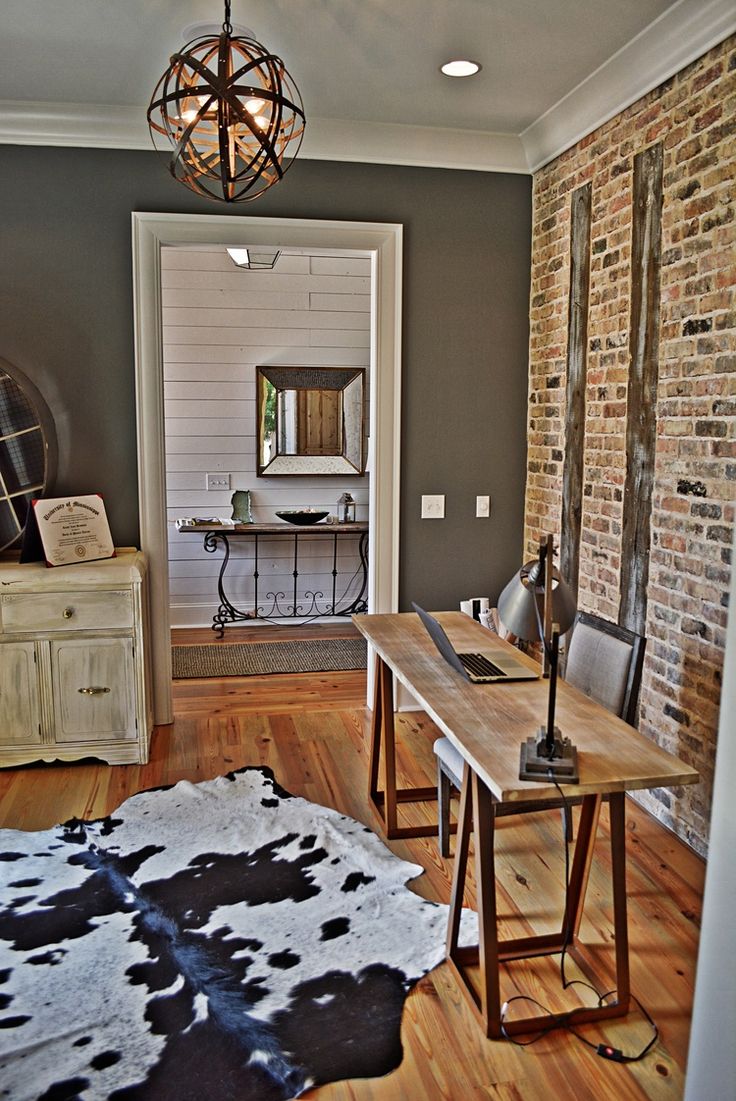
<point>641,424</point>
<point>577,346</point>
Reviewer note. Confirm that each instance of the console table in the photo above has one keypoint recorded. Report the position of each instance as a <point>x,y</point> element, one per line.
<point>314,603</point>
<point>487,724</point>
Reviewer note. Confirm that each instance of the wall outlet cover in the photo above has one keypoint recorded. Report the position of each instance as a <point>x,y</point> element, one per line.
<point>433,506</point>
<point>483,506</point>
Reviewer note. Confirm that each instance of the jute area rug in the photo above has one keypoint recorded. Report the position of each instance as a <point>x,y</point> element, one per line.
<point>254,658</point>
<point>224,941</point>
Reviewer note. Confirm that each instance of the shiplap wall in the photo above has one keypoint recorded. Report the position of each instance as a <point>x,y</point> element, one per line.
<point>219,324</point>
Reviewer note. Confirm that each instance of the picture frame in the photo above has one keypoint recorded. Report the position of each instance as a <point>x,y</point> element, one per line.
<point>73,529</point>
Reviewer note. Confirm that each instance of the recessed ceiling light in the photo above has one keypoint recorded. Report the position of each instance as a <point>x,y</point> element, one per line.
<point>460,67</point>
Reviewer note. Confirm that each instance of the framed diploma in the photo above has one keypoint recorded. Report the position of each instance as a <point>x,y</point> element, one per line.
<point>73,529</point>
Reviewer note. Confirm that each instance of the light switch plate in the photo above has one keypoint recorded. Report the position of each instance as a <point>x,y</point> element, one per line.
<point>433,506</point>
<point>482,506</point>
<point>218,481</point>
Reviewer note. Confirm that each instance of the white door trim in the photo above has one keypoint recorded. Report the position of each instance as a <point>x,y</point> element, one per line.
<point>383,241</point>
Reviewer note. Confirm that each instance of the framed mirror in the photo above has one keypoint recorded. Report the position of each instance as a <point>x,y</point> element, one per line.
<point>27,451</point>
<point>310,420</point>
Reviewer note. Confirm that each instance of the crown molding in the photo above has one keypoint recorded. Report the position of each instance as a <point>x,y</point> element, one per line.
<point>75,124</point>
<point>424,146</point>
<point>107,127</point>
<point>679,36</point>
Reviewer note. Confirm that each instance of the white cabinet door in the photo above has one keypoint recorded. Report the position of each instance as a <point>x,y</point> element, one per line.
<point>19,708</point>
<point>94,689</point>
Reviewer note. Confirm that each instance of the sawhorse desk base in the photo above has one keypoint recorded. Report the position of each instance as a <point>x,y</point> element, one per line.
<point>477,815</point>
<point>385,802</point>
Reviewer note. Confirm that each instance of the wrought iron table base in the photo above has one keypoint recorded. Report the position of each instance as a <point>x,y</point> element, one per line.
<point>313,603</point>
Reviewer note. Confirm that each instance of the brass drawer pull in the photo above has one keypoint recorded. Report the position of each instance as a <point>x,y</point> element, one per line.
<point>68,613</point>
<point>93,691</point>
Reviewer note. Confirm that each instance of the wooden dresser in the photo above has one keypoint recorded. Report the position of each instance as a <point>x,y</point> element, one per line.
<point>74,664</point>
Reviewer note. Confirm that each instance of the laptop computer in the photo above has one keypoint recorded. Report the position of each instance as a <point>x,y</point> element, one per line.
<point>475,667</point>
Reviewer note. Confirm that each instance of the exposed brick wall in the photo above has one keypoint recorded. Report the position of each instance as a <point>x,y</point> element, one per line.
<point>694,116</point>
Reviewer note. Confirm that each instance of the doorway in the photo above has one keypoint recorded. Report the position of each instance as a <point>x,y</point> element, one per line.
<point>266,394</point>
<point>383,244</point>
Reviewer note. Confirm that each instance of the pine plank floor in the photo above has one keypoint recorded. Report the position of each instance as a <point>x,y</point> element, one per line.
<point>311,729</point>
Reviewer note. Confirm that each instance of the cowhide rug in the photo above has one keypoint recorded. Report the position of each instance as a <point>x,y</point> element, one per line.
<point>206,941</point>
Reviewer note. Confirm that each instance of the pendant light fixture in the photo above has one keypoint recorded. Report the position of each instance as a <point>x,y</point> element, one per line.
<point>229,109</point>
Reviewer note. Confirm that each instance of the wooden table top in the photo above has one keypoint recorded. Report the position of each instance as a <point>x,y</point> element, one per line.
<point>488,722</point>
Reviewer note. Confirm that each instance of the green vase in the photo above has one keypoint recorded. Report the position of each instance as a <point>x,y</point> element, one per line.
<point>241,506</point>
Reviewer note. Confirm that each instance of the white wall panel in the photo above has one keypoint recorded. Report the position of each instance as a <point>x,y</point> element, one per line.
<point>216,388</point>
<point>201,355</point>
<point>340,265</point>
<point>349,316</point>
<point>339,338</point>
<point>342,302</point>
<point>219,324</point>
<point>234,281</point>
<point>186,298</point>
<point>209,427</point>
<point>215,335</point>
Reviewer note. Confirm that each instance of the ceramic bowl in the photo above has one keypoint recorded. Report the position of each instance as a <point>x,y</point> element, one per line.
<point>302,515</point>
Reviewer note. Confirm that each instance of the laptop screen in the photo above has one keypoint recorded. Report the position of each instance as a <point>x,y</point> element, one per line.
<point>439,638</point>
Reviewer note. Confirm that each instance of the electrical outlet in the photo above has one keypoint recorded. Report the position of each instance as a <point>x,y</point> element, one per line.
<point>433,506</point>
<point>482,506</point>
<point>218,481</point>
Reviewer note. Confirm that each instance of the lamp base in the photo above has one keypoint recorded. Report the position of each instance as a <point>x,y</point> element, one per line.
<point>536,764</point>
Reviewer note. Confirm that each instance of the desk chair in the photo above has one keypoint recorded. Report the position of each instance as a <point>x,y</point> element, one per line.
<point>605,662</point>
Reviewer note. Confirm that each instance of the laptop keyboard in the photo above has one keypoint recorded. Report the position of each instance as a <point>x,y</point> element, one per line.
<point>480,666</point>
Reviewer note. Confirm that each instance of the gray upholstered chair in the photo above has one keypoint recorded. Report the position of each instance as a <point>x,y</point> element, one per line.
<point>604,661</point>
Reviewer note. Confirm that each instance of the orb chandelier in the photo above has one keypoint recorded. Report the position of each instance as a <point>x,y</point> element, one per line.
<point>229,109</point>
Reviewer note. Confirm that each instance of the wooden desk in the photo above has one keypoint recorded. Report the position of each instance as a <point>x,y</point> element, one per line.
<point>488,723</point>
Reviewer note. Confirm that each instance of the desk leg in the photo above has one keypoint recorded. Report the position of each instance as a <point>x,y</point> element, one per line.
<point>382,731</point>
<point>483,990</point>
<point>578,951</point>
<point>389,747</point>
<point>582,860</point>
<point>618,867</point>
<point>376,728</point>
<point>477,814</point>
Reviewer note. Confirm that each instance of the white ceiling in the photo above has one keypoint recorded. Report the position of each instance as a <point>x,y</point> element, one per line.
<point>82,71</point>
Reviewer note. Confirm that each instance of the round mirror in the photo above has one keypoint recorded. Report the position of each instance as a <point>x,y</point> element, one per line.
<point>27,451</point>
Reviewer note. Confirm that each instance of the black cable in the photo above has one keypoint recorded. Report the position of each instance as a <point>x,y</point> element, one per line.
<point>566,1020</point>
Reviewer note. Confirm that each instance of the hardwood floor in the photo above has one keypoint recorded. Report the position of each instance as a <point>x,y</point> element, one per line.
<point>311,729</point>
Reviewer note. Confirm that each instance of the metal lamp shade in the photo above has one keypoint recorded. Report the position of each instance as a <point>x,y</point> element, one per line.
<point>516,604</point>
<point>229,109</point>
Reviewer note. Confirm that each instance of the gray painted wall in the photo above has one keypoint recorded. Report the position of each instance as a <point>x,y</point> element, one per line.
<point>66,320</point>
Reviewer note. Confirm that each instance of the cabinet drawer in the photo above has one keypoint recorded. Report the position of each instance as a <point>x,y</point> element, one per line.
<point>80,611</point>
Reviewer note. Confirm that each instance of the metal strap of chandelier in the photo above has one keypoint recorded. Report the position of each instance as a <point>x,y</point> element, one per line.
<point>229,109</point>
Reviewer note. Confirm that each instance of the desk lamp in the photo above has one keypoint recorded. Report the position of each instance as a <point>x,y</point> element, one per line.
<point>537,604</point>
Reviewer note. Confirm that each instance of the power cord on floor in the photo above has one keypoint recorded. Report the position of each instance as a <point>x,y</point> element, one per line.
<point>567,1020</point>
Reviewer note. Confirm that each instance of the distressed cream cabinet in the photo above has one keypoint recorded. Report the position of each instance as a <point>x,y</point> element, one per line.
<point>74,675</point>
